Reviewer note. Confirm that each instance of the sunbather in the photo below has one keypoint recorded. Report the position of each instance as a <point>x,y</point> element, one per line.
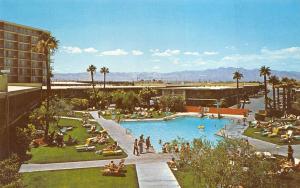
<point>112,147</point>
<point>172,164</point>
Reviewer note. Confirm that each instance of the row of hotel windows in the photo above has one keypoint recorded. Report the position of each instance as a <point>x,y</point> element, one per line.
<point>22,63</point>
<point>17,29</point>
<point>20,38</point>
<point>21,55</point>
<point>15,45</point>
<point>26,72</point>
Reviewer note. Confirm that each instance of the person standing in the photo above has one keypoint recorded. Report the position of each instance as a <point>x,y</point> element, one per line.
<point>290,156</point>
<point>135,147</point>
<point>141,144</point>
<point>148,144</point>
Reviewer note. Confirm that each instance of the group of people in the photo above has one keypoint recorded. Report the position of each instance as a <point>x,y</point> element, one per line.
<point>101,138</point>
<point>113,169</point>
<point>169,148</point>
<point>138,146</point>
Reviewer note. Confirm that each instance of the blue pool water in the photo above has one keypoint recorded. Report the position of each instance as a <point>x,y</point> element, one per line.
<point>185,127</point>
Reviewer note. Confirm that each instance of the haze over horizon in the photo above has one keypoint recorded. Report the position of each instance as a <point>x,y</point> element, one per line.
<point>165,36</point>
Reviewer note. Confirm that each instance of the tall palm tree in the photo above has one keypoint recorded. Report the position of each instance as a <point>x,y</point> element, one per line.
<point>274,80</point>
<point>284,82</point>
<point>47,45</point>
<point>92,70</point>
<point>278,93</point>
<point>237,76</point>
<point>265,71</point>
<point>104,71</point>
<point>290,85</point>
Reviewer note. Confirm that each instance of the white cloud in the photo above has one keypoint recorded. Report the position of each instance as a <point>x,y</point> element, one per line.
<point>72,49</point>
<point>210,53</point>
<point>192,53</point>
<point>176,61</point>
<point>166,53</point>
<point>90,50</point>
<point>266,55</point>
<point>116,52</point>
<point>155,60</point>
<point>137,52</point>
<point>230,47</point>
<point>156,68</point>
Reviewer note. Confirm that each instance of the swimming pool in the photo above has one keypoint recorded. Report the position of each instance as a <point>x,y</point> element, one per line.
<point>185,127</point>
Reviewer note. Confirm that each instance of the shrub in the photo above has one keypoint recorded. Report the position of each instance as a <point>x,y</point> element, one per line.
<point>79,104</point>
<point>9,175</point>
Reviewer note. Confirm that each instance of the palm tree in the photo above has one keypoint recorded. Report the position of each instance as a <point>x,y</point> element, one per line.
<point>47,45</point>
<point>265,71</point>
<point>92,70</point>
<point>278,93</point>
<point>284,82</point>
<point>104,71</point>
<point>290,85</point>
<point>274,80</point>
<point>237,76</point>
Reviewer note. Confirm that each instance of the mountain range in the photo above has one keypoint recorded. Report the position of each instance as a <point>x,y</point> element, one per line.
<point>218,74</point>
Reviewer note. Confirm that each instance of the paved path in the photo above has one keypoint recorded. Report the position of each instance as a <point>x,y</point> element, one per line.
<point>152,168</point>
<point>236,131</point>
<point>156,174</point>
<point>117,132</point>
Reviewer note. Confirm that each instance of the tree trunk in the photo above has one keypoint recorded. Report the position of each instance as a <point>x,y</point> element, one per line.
<point>283,100</point>
<point>274,97</point>
<point>104,75</point>
<point>238,97</point>
<point>266,93</point>
<point>48,83</point>
<point>278,98</point>
<point>288,100</point>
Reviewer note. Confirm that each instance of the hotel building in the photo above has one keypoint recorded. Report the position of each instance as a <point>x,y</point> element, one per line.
<point>16,53</point>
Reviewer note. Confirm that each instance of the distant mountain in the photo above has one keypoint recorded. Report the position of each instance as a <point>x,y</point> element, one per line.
<point>218,74</point>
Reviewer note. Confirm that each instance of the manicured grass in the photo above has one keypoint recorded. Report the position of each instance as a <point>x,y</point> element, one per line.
<point>276,140</point>
<point>186,179</point>
<point>88,177</point>
<point>51,154</point>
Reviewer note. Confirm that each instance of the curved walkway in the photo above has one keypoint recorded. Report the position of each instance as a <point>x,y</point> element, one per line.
<point>152,170</point>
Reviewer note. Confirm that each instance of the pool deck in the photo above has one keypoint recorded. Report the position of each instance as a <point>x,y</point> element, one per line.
<point>152,169</point>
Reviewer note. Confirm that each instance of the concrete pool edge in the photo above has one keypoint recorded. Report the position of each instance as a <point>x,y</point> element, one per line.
<point>179,114</point>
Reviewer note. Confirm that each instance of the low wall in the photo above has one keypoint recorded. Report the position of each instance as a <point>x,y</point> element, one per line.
<point>214,110</point>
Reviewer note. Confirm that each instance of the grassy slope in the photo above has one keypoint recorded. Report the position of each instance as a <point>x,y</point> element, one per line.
<point>68,153</point>
<point>276,140</point>
<point>89,177</point>
<point>186,180</point>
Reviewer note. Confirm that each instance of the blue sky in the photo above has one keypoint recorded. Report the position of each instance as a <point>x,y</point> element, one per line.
<point>165,36</point>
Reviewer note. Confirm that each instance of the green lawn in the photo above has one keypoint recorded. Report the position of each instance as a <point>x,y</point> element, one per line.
<point>88,177</point>
<point>276,140</point>
<point>186,179</point>
<point>47,154</point>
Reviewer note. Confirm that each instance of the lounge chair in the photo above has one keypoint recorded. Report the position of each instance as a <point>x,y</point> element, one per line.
<point>275,132</point>
<point>112,153</point>
<point>85,148</point>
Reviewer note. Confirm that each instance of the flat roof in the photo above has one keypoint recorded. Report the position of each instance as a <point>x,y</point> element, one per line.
<point>201,88</point>
<point>98,87</point>
<point>24,26</point>
<point>14,89</point>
